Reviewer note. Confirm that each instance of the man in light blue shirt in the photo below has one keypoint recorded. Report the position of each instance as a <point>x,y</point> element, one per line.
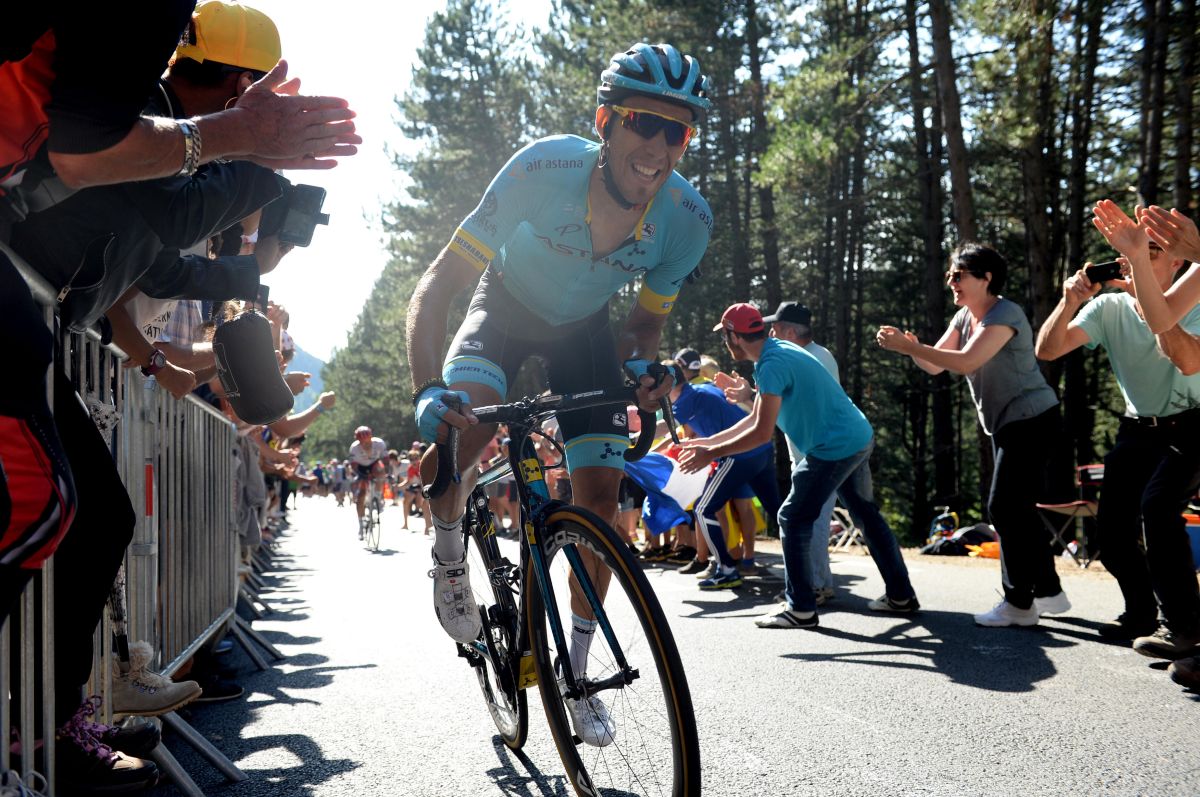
<point>797,393</point>
<point>1154,467</point>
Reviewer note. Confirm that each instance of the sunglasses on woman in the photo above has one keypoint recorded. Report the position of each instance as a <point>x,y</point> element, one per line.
<point>647,124</point>
<point>956,276</point>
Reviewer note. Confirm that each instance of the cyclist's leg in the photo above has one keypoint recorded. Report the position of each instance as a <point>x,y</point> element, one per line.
<point>481,361</point>
<point>594,441</point>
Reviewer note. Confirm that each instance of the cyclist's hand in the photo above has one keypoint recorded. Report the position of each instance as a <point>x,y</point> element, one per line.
<point>433,412</point>
<point>654,382</point>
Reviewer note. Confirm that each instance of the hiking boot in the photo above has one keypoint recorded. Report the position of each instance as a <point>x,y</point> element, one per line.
<point>1127,628</point>
<point>681,556</point>
<point>783,617</point>
<point>710,571</point>
<point>1186,672</point>
<point>728,580</point>
<point>1053,604</point>
<point>142,691</point>
<point>88,766</point>
<point>135,736</point>
<point>1167,644</point>
<point>1004,614</point>
<point>694,566</point>
<point>219,690</point>
<point>748,567</point>
<point>453,602</point>
<point>885,604</point>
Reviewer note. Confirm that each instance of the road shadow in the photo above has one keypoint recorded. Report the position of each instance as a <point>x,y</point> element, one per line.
<point>759,593</point>
<point>517,776</point>
<point>949,643</point>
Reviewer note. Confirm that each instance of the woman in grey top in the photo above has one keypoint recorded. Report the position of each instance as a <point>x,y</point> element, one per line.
<point>990,342</point>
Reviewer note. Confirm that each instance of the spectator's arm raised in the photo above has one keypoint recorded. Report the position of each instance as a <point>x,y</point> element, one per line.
<point>1060,335</point>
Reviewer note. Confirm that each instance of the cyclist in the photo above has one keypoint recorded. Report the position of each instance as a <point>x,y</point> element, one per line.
<point>368,455</point>
<point>563,226</point>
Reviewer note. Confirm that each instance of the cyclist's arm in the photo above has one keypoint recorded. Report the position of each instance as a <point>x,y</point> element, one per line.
<point>429,312</point>
<point>641,334</point>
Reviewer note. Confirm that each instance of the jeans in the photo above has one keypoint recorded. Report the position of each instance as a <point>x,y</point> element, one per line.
<point>814,481</point>
<point>1148,477</point>
<point>1018,481</point>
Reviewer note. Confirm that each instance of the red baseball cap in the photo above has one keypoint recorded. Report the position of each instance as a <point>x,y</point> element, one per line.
<point>742,318</point>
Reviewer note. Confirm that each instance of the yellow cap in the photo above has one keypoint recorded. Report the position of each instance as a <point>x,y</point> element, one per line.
<point>231,33</point>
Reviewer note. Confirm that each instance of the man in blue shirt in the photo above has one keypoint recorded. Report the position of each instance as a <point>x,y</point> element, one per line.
<point>1154,467</point>
<point>797,393</point>
<point>703,408</point>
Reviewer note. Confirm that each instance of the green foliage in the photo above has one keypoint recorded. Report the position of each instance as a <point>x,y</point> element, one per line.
<point>834,152</point>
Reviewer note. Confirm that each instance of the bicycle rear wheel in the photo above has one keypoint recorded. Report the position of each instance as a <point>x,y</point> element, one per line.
<point>496,654</point>
<point>654,750</point>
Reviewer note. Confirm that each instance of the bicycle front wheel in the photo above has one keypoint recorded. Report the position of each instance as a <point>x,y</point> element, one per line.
<point>650,747</point>
<point>374,528</point>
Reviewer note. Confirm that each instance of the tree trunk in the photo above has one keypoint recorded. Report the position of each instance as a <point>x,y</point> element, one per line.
<point>766,196</point>
<point>1157,26</point>
<point>1185,84</point>
<point>741,257</point>
<point>960,173</point>
<point>1078,416</point>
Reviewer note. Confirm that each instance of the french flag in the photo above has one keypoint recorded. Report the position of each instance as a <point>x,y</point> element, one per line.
<point>669,491</point>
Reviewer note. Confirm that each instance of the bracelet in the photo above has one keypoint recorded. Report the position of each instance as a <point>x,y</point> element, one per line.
<point>320,409</point>
<point>191,148</point>
<point>428,383</point>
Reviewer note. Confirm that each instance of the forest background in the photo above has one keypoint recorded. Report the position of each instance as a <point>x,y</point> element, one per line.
<point>853,144</point>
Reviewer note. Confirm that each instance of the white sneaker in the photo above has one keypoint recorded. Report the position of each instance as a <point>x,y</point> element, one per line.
<point>591,721</point>
<point>1004,614</point>
<point>452,601</point>
<point>1055,604</point>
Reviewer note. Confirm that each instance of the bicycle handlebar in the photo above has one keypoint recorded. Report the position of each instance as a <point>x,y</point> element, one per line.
<point>527,410</point>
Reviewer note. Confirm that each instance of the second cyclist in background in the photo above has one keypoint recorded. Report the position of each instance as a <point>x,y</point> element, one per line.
<point>368,457</point>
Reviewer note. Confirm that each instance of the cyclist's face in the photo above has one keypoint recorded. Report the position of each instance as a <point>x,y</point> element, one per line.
<point>639,165</point>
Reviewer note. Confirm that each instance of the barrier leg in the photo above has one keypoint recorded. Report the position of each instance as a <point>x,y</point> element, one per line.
<point>174,772</point>
<point>260,639</point>
<point>245,595</point>
<point>204,747</point>
<point>255,656</point>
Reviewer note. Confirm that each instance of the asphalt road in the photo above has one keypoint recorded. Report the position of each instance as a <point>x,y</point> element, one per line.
<point>372,699</point>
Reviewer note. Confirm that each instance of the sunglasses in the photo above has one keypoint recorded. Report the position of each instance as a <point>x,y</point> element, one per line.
<point>647,124</point>
<point>956,276</point>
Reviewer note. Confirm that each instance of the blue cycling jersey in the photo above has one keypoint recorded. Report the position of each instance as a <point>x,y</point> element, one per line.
<point>532,226</point>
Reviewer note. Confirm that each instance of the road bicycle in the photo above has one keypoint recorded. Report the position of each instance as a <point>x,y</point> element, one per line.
<point>372,511</point>
<point>633,664</point>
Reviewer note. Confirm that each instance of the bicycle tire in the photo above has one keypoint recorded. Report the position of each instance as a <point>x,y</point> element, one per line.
<point>506,701</point>
<point>374,528</point>
<point>655,707</point>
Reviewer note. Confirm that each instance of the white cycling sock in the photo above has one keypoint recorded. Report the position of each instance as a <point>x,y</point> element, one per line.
<point>447,540</point>
<point>582,632</point>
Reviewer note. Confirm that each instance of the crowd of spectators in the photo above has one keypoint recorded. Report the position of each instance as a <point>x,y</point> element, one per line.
<point>145,188</point>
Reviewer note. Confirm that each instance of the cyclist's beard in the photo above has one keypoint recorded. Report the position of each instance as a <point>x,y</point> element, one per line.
<point>609,182</point>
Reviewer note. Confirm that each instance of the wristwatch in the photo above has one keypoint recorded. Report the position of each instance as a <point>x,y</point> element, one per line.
<point>158,361</point>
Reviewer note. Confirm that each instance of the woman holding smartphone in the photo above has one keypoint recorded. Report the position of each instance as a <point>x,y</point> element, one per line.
<point>989,341</point>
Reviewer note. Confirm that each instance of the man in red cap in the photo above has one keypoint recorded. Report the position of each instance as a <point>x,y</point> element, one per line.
<point>797,393</point>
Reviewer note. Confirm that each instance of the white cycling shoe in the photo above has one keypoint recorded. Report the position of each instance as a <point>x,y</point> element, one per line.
<point>453,602</point>
<point>592,722</point>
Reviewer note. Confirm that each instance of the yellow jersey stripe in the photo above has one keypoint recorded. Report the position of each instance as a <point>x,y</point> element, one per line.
<point>470,247</point>
<point>656,303</point>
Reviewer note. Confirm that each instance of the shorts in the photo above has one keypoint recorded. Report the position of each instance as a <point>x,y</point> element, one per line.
<point>499,334</point>
<point>631,495</point>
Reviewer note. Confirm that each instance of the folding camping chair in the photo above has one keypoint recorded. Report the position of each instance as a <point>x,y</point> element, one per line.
<point>1061,519</point>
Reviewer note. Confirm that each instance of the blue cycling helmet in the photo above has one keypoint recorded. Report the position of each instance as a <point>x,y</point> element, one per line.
<point>659,71</point>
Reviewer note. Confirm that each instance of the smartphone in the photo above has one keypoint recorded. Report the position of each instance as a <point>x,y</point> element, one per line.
<point>1103,272</point>
<point>263,292</point>
<point>303,215</point>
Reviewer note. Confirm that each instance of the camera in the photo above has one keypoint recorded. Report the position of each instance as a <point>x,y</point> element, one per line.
<point>1103,272</point>
<point>302,215</point>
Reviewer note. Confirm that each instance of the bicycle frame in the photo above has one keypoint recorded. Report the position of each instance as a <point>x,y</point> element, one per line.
<point>536,505</point>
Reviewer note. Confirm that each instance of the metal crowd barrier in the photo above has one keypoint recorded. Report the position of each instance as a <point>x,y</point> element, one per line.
<point>175,458</point>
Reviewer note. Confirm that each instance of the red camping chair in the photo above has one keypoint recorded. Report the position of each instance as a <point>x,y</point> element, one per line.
<point>1061,519</point>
